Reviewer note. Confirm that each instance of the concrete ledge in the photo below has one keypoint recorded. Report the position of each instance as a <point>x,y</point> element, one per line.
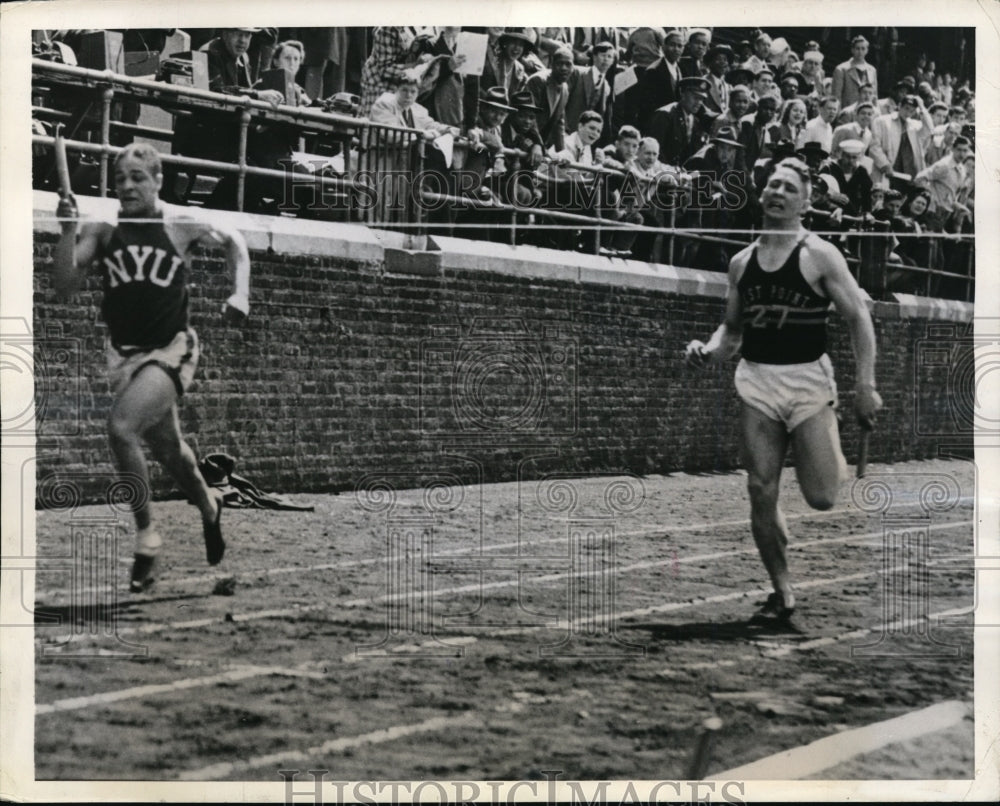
<point>554,264</point>
<point>402,261</point>
<point>519,261</point>
<point>946,310</point>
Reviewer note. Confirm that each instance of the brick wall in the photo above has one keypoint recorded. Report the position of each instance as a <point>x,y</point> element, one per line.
<point>436,362</point>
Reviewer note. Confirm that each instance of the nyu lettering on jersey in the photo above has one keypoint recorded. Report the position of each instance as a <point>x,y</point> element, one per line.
<point>784,319</point>
<point>145,286</point>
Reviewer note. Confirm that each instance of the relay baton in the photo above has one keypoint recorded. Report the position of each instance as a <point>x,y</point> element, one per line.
<point>62,164</point>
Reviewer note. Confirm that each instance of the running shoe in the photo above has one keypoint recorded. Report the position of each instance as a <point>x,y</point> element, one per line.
<point>143,573</point>
<point>773,610</point>
<point>215,546</point>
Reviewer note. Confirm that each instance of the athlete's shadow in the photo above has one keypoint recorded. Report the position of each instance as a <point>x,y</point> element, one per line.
<point>99,612</point>
<point>742,630</point>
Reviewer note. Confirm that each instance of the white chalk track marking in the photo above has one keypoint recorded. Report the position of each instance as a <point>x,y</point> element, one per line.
<point>216,772</point>
<point>287,612</point>
<point>199,580</point>
<point>233,675</point>
<point>799,762</point>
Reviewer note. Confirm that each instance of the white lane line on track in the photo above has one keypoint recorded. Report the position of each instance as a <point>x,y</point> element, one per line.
<point>233,675</point>
<point>799,762</point>
<point>147,629</point>
<point>199,580</point>
<point>216,772</point>
<point>899,624</point>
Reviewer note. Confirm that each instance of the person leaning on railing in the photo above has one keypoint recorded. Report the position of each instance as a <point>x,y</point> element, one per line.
<point>566,187</point>
<point>486,163</point>
<point>213,135</point>
<point>663,188</point>
<point>622,202</point>
<point>400,108</point>
<point>721,170</point>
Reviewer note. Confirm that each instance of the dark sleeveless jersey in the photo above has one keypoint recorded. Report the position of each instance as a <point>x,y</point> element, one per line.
<point>784,319</point>
<point>145,286</point>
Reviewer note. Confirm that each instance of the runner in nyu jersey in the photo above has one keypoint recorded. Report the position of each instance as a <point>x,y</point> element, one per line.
<point>144,262</point>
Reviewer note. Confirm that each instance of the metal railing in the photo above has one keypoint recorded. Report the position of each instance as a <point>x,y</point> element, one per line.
<point>382,177</point>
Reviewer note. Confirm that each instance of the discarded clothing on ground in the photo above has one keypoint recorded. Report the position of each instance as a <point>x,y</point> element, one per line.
<point>238,492</point>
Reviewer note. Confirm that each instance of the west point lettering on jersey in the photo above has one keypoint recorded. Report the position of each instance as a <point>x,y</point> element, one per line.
<point>784,318</point>
<point>771,294</point>
<point>140,263</point>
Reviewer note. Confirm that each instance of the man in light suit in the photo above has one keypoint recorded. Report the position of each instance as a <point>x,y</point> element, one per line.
<point>589,88</point>
<point>400,108</point>
<point>850,76</point>
<point>891,153</point>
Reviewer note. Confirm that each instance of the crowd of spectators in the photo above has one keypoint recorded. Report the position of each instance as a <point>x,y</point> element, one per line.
<point>653,126</point>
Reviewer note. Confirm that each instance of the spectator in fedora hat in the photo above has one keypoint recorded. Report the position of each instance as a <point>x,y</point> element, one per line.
<point>487,132</point>
<point>718,60</point>
<point>812,154</point>
<point>487,163</point>
<point>722,173</point>
<point>520,129</point>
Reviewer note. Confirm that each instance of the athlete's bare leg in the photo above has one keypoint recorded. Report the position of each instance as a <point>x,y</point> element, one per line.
<point>149,397</point>
<point>147,408</point>
<point>819,462</point>
<point>765,442</point>
<point>176,456</point>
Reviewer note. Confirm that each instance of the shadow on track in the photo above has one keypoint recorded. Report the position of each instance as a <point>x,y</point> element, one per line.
<point>726,631</point>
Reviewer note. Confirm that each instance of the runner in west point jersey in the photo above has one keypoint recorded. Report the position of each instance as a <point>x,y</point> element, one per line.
<point>144,261</point>
<point>780,291</point>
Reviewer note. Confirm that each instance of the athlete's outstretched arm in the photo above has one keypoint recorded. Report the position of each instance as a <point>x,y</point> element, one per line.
<point>846,295</point>
<point>726,340</point>
<point>72,255</point>
<point>238,263</point>
<point>231,240</point>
